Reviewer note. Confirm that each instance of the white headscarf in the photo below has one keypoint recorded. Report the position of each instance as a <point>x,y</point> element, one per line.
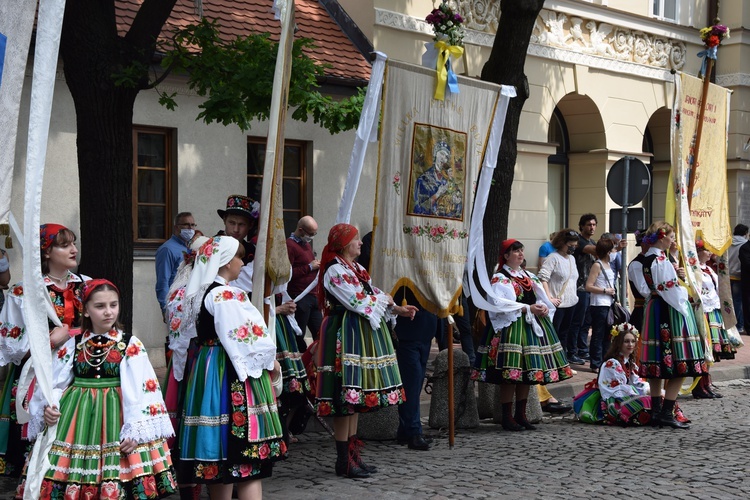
<point>213,254</point>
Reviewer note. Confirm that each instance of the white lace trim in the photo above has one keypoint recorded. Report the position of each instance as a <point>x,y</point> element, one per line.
<point>144,431</point>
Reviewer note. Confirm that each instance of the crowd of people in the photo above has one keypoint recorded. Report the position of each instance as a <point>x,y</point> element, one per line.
<point>234,395</point>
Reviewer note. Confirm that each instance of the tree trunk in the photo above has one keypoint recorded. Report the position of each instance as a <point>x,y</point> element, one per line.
<point>92,52</point>
<point>505,66</point>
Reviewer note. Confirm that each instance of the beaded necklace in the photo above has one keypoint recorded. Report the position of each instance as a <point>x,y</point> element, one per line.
<point>95,353</point>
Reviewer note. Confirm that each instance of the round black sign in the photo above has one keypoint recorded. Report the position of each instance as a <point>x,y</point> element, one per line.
<point>639,181</point>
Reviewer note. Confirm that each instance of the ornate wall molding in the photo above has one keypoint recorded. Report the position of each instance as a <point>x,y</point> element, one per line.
<point>570,39</point>
<point>733,80</point>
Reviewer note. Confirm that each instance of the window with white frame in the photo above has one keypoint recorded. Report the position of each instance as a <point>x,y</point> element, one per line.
<point>664,9</point>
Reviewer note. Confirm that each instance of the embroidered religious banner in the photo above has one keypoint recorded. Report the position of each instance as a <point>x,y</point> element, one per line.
<point>430,155</point>
<point>708,214</point>
<point>709,208</point>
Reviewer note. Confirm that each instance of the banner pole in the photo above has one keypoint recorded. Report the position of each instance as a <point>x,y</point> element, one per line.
<point>699,132</point>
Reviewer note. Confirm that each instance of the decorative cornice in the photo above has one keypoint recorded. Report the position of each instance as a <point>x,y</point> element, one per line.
<point>572,39</point>
<point>733,80</point>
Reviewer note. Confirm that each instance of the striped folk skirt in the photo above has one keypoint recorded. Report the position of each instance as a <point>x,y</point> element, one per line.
<point>85,459</point>
<point>671,346</point>
<point>290,359</point>
<point>230,430</point>
<point>720,343</point>
<point>515,354</point>
<point>357,369</point>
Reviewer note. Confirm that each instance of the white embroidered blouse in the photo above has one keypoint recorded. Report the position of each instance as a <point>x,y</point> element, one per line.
<point>340,281</point>
<point>503,289</point>
<point>709,290</point>
<point>616,382</point>
<point>665,282</point>
<point>144,413</point>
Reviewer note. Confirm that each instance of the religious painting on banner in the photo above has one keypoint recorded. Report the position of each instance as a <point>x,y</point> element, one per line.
<point>437,190</point>
<point>429,160</point>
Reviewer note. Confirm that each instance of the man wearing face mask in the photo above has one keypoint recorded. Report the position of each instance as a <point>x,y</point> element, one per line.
<point>304,269</point>
<point>171,253</point>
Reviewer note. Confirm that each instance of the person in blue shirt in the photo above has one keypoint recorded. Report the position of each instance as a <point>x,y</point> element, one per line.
<point>171,253</point>
<point>546,249</point>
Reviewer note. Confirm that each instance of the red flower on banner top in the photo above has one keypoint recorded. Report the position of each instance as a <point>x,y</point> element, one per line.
<point>714,35</point>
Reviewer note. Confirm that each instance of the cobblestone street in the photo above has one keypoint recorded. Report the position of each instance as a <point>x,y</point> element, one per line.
<point>563,458</point>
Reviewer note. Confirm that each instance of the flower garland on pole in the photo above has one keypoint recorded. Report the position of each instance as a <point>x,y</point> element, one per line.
<point>712,37</point>
<point>448,42</point>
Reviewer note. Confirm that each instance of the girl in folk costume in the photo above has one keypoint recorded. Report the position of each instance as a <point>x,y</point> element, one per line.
<point>112,424</point>
<point>625,398</point>
<point>58,252</point>
<point>356,363</point>
<point>721,345</point>
<point>521,347</point>
<point>230,430</point>
<point>671,345</point>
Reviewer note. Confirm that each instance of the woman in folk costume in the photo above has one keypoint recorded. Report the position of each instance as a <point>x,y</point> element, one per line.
<point>230,430</point>
<point>521,347</point>
<point>721,346</point>
<point>356,363</point>
<point>58,252</point>
<point>671,346</point>
<point>183,348</point>
<point>112,424</point>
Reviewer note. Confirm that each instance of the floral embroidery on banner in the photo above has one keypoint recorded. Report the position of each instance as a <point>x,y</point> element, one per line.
<point>397,183</point>
<point>436,233</point>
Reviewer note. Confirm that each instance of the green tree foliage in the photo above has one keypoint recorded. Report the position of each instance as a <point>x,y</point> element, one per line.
<point>236,79</point>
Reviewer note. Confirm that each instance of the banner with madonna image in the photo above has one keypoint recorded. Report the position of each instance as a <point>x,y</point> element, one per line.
<point>430,155</point>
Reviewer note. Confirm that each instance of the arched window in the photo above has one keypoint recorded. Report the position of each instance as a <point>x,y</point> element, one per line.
<point>557,174</point>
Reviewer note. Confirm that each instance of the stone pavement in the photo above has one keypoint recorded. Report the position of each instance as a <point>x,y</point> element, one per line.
<point>563,458</point>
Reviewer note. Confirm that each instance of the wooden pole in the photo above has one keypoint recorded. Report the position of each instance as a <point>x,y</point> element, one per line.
<point>451,412</point>
<point>699,130</point>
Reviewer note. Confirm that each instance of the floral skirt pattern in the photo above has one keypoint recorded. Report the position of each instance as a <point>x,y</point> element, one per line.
<point>515,354</point>
<point>290,359</point>
<point>85,459</point>
<point>230,430</point>
<point>720,343</point>
<point>671,346</point>
<point>12,447</point>
<point>357,370</point>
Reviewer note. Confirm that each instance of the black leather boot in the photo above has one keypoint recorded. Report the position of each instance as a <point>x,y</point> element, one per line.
<point>666,416</point>
<point>700,391</point>
<point>345,465</point>
<point>508,423</point>
<point>520,416</point>
<point>655,410</point>
<point>357,445</point>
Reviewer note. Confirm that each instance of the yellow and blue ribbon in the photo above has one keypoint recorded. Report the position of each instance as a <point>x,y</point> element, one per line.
<point>445,74</point>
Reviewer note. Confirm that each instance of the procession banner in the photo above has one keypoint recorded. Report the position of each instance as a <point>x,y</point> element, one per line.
<point>709,208</point>
<point>36,304</point>
<point>430,155</point>
<point>16,23</point>
<point>682,145</point>
<point>271,234</point>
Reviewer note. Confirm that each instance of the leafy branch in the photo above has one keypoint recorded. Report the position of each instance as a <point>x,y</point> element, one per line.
<point>236,79</point>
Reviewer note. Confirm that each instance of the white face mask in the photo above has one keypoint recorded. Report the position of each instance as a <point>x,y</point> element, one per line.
<point>307,239</point>
<point>187,234</point>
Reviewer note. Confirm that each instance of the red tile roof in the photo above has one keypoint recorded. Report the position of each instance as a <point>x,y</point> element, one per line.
<point>241,17</point>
